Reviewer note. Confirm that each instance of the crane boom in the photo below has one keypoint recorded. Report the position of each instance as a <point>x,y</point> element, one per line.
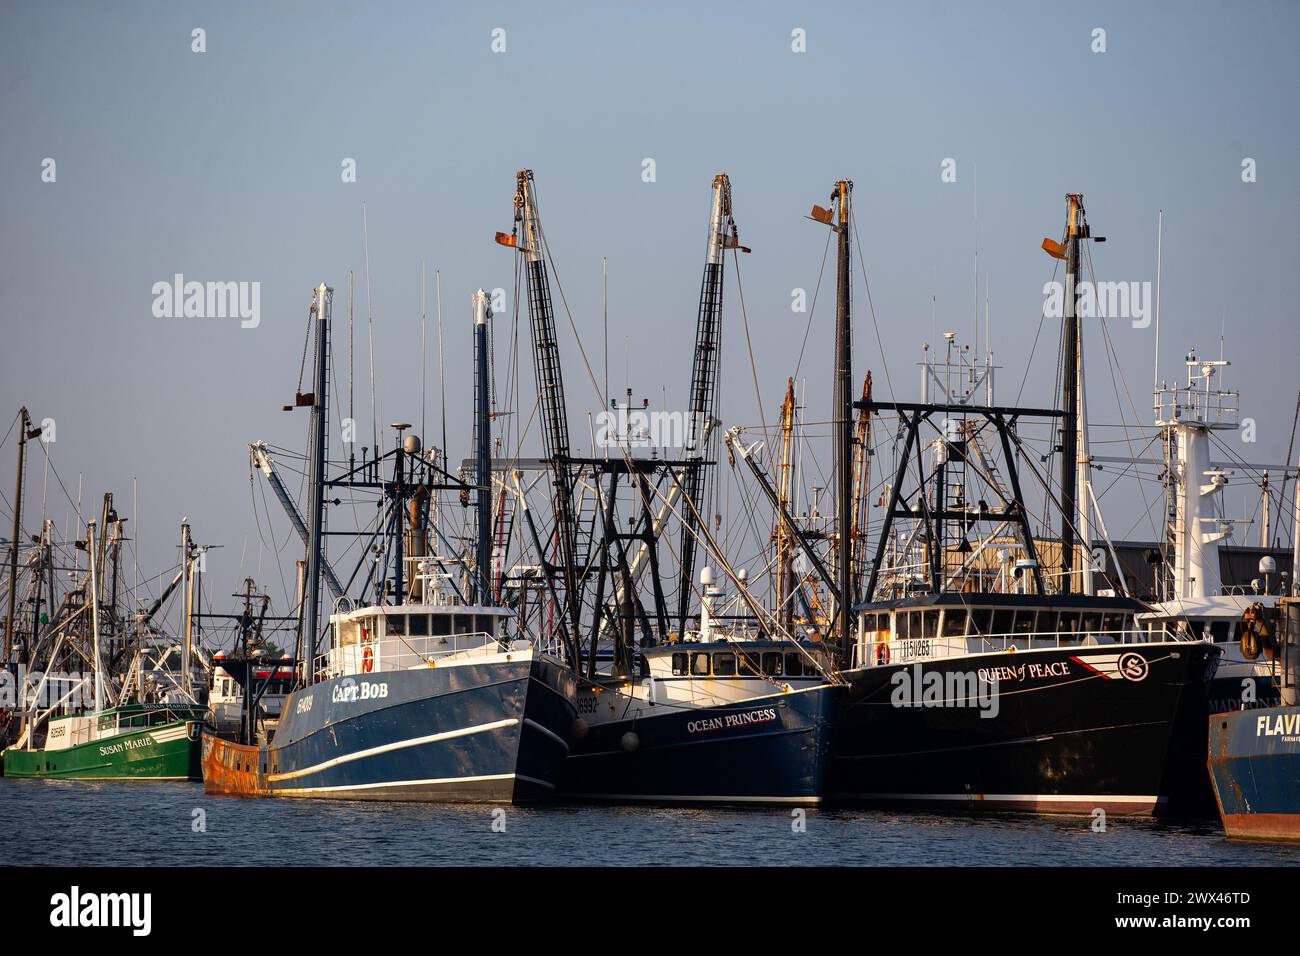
<point>263,460</point>
<point>704,378</point>
<point>550,393</point>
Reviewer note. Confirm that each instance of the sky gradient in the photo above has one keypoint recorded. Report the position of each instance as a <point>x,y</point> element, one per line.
<point>225,166</point>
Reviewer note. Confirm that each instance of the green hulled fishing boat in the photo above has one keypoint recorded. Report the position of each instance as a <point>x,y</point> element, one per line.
<point>128,742</point>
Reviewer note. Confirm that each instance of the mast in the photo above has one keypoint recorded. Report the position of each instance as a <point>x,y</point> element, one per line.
<point>704,379</point>
<point>843,416</point>
<point>94,616</point>
<point>483,447</point>
<point>23,422</point>
<point>321,310</point>
<point>785,584</point>
<point>550,389</point>
<point>1073,515</point>
<point>187,595</point>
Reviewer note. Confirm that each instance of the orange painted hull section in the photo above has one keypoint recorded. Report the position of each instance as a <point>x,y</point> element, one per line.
<point>232,769</point>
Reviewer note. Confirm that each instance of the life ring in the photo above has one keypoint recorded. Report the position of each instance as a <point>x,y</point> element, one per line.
<point>882,653</point>
<point>367,659</point>
<point>1256,635</point>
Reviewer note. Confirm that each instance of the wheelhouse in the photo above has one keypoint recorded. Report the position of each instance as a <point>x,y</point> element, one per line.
<point>396,637</point>
<point>750,660</point>
<point>957,624</point>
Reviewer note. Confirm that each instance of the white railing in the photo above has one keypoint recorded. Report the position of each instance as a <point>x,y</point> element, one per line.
<point>402,653</point>
<point>897,650</point>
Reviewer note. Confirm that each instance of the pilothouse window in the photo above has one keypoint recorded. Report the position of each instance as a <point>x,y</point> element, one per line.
<point>1002,621</point>
<point>724,665</point>
<point>680,668</point>
<point>954,623</point>
<point>418,625</point>
<point>700,664</point>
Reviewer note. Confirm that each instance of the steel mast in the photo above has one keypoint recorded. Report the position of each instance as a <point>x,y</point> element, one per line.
<point>550,391</point>
<point>483,447</point>
<point>324,296</point>
<point>704,380</point>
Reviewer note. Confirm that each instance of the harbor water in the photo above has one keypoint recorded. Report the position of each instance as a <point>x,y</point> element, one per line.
<point>72,823</point>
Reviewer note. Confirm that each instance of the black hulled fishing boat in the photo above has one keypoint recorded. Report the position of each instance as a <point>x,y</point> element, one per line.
<point>979,680</point>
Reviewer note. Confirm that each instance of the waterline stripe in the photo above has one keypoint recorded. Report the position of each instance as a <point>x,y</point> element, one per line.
<point>436,781</point>
<point>681,798</point>
<point>1094,799</point>
<point>385,748</point>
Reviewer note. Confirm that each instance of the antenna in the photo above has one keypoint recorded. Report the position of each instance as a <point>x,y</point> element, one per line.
<point>424,350</point>
<point>1160,235</point>
<point>604,283</point>
<point>437,278</point>
<point>370,310</point>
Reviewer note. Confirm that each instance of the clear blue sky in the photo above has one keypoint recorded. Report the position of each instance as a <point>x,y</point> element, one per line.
<point>226,166</point>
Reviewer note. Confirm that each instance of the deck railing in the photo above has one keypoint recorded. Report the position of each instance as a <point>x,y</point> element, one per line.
<point>401,652</point>
<point>878,653</point>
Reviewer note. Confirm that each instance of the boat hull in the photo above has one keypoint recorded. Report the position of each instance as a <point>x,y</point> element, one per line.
<point>1254,765</point>
<point>165,752</point>
<point>491,732</point>
<point>1068,731</point>
<point>767,750</point>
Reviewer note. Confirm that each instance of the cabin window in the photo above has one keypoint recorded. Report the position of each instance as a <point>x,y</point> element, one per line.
<point>981,619</point>
<point>108,722</point>
<point>1112,623</point>
<point>793,665</point>
<point>1219,631</point>
<point>954,623</point>
<point>772,664</point>
<point>1002,622</point>
<point>748,664</point>
<point>929,623</point>
<point>396,624</point>
<point>1091,622</point>
<point>487,623</point>
<point>724,665</point>
<point>902,630</point>
<point>441,625</point>
<point>700,665</point>
<point>417,625</point>
<point>464,623</point>
<point>1024,623</point>
<point>869,622</point>
<point>1069,625</point>
<point>137,720</point>
<point>680,668</point>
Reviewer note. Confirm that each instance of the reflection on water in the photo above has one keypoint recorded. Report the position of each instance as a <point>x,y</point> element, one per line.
<point>138,824</point>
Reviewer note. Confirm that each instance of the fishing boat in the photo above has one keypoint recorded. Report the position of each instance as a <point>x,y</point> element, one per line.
<point>427,690</point>
<point>129,742</point>
<point>722,716</point>
<point>1254,754</point>
<point>1196,602</point>
<point>427,702</point>
<point>132,722</point>
<point>984,675</point>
